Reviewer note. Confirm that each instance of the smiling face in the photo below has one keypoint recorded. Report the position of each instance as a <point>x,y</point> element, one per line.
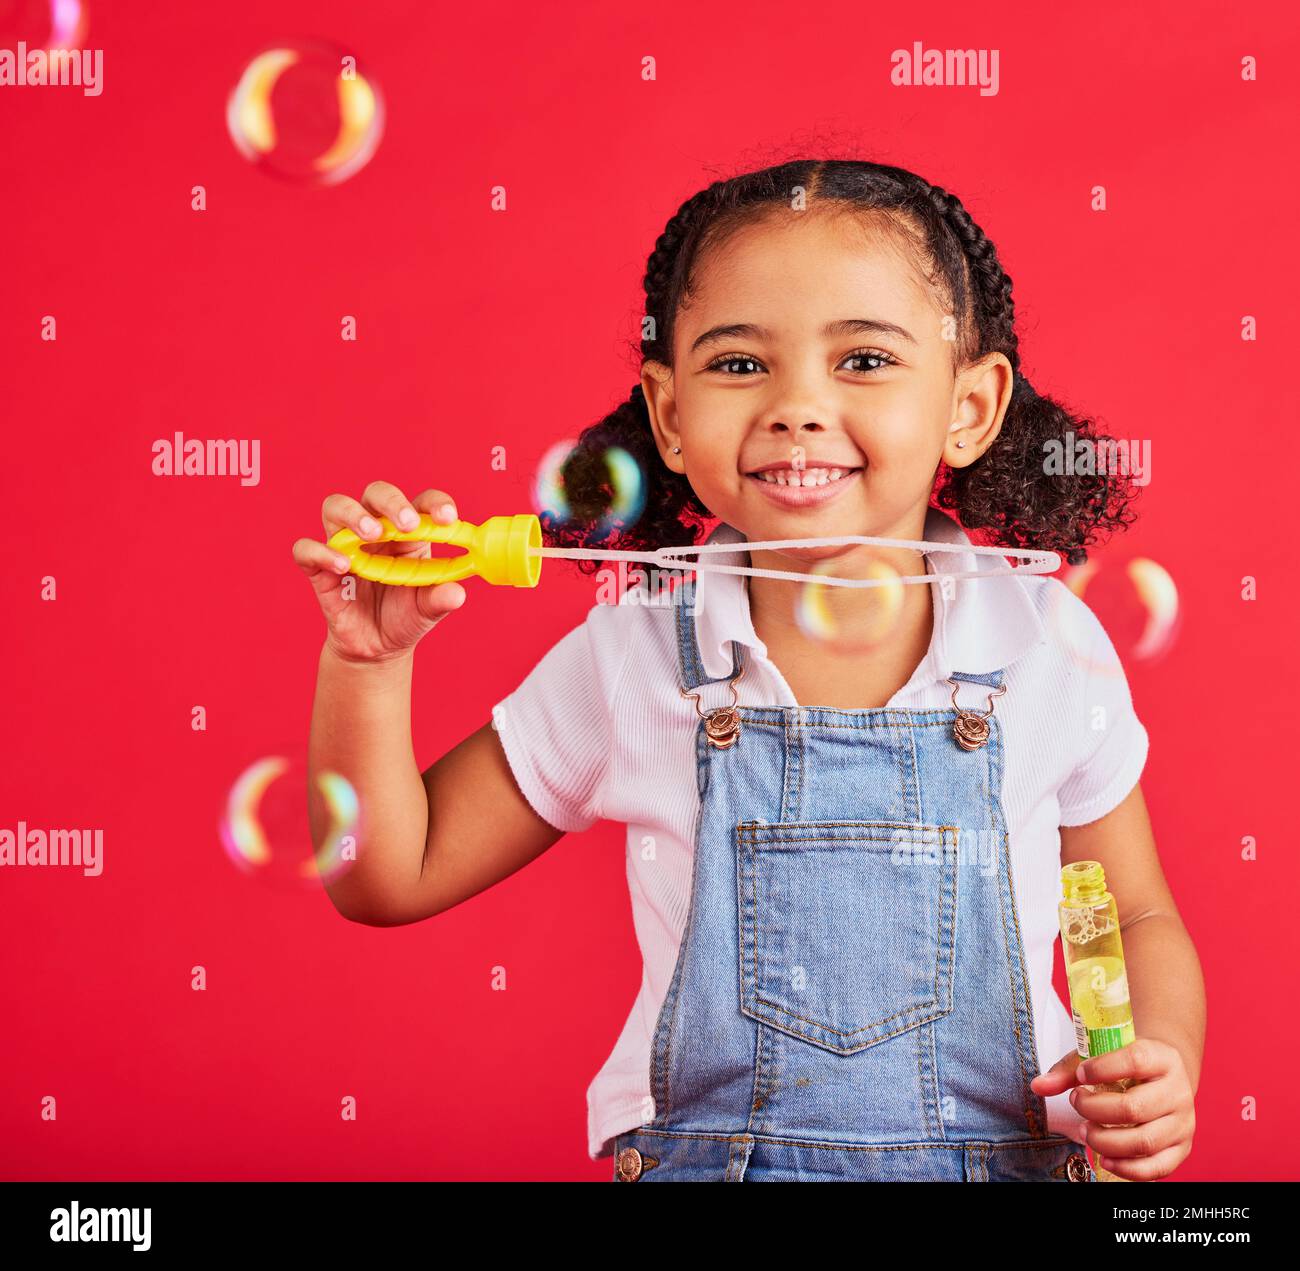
<point>810,344</point>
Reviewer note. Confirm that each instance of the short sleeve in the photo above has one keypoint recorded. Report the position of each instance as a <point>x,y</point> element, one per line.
<point>1113,743</point>
<point>556,728</point>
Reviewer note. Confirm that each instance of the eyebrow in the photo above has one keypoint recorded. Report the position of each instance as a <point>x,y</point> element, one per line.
<point>845,326</point>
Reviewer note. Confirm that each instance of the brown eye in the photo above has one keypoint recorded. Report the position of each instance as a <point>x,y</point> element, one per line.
<point>872,355</point>
<point>732,359</point>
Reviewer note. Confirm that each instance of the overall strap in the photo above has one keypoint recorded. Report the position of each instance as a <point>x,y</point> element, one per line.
<point>690,664</point>
<point>992,679</point>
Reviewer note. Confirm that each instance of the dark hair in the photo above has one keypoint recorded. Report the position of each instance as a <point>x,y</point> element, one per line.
<point>1006,490</point>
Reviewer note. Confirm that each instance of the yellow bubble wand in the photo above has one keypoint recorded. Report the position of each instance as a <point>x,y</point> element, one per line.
<point>508,551</point>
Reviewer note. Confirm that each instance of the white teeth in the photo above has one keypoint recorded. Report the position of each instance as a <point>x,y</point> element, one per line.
<point>804,477</point>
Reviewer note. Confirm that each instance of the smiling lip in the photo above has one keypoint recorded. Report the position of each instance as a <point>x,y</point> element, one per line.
<point>799,496</point>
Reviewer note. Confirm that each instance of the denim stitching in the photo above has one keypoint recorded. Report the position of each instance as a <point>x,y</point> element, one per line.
<point>762,1089</point>
<point>661,1077</point>
<point>1004,894</point>
<point>1000,1145</point>
<point>919,719</point>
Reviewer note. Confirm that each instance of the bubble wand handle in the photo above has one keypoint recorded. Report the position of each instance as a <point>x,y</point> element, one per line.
<point>503,550</point>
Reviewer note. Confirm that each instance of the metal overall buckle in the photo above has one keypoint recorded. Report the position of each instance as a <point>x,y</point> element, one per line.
<point>722,723</point>
<point>970,728</point>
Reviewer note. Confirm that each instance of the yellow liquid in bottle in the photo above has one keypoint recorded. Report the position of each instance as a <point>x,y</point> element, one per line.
<point>1099,993</point>
<point>1099,996</point>
<point>1094,967</point>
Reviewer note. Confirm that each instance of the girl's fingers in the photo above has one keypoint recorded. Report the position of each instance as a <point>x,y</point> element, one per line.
<point>341,510</point>
<point>1059,1077</point>
<point>1143,1102</point>
<point>437,504</point>
<point>438,601</point>
<point>1148,1139</point>
<point>323,570</point>
<point>313,556</point>
<point>386,499</point>
<point>382,498</point>
<point>432,502</point>
<point>1143,1169</point>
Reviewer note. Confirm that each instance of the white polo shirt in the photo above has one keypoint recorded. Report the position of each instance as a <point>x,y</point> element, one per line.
<point>599,730</point>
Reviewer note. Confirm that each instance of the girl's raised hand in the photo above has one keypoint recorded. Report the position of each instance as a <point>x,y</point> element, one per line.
<point>379,622</point>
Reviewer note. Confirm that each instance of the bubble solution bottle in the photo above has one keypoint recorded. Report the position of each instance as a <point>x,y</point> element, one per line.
<point>1094,967</point>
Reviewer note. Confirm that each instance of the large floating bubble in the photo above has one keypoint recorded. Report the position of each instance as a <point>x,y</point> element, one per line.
<point>849,620</point>
<point>43,24</point>
<point>620,477</point>
<point>306,112</point>
<point>1133,597</point>
<point>265,827</point>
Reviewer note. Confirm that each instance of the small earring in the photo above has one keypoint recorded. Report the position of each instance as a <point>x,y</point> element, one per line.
<point>677,450</point>
<point>960,444</point>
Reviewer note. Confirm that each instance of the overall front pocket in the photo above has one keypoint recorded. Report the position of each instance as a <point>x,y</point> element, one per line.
<point>847,928</point>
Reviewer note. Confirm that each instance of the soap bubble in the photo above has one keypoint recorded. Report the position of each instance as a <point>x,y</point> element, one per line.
<point>618,478</point>
<point>875,610</point>
<point>548,486</point>
<point>42,24</point>
<point>306,113</point>
<point>1133,597</point>
<point>266,831</point>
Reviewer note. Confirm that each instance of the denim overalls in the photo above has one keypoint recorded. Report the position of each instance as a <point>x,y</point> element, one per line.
<point>850,999</point>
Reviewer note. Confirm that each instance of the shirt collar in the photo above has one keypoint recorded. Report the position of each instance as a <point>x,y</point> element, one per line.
<point>982,625</point>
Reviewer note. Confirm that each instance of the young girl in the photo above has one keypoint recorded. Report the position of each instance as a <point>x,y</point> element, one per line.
<point>844,888</point>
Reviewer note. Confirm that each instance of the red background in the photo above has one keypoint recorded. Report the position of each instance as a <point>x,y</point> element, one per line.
<point>479,329</point>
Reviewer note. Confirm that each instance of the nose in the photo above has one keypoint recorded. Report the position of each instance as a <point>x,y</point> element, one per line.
<point>780,426</point>
<point>795,433</point>
<point>798,405</point>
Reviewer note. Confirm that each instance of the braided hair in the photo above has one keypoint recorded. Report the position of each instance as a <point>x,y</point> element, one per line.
<point>1006,490</point>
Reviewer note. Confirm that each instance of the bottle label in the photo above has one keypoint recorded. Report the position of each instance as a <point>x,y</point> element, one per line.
<point>1080,1035</point>
<point>1103,1040</point>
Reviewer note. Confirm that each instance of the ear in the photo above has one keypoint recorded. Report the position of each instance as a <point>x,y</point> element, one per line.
<point>657,386</point>
<point>980,398</point>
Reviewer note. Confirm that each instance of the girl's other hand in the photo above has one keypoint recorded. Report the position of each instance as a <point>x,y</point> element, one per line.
<point>380,622</point>
<point>1144,1132</point>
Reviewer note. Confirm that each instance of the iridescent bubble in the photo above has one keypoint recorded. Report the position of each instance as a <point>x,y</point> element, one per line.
<point>548,486</point>
<point>1133,597</point>
<point>266,831</point>
<point>875,611</point>
<point>42,24</point>
<point>307,113</point>
<point>621,482</point>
